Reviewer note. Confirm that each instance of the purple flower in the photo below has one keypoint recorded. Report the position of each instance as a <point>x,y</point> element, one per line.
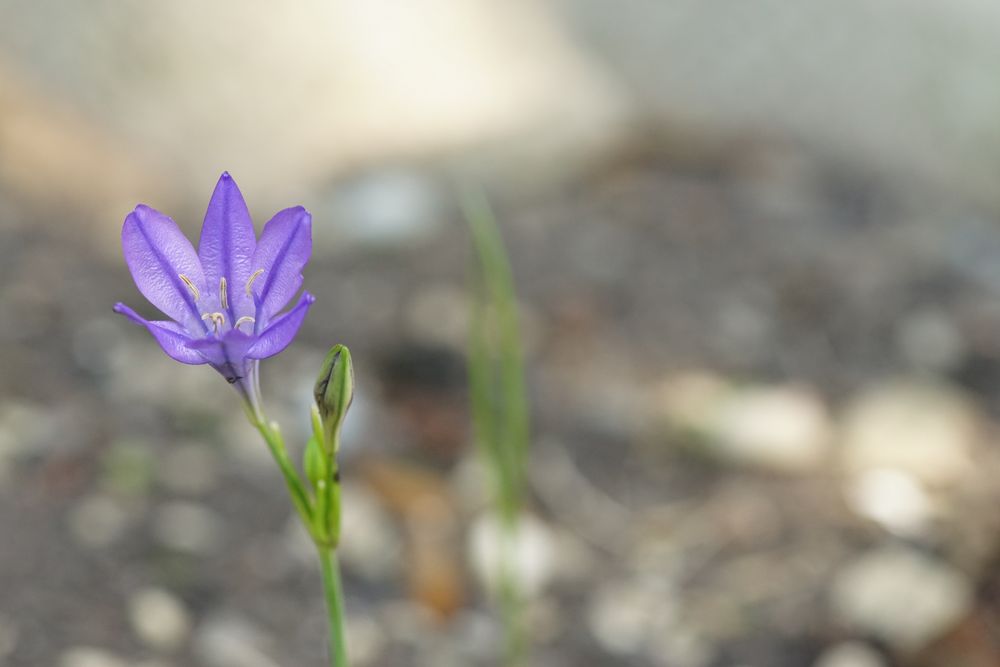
<point>225,300</point>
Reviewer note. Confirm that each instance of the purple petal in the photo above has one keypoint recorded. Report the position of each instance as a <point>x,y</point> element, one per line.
<point>158,254</point>
<point>228,349</point>
<point>282,253</point>
<point>276,337</point>
<point>171,337</point>
<point>227,245</point>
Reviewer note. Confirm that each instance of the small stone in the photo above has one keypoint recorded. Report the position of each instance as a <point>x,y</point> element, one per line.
<point>187,527</point>
<point>188,468</point>
<point>892,498</point>
<point>86,656</point>
<point>97,521</point>
<point>621,615</point>
<point>850,654</point>
<point>230,641</point>
<point>781,428</point>
<point>901,596</point>
<point>927,430</point>
<point>159,619</point>
<point>532,547</point>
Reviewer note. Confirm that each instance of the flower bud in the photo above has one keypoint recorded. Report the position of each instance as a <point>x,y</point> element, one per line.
<point>334,392</point>
<point>314,462</point>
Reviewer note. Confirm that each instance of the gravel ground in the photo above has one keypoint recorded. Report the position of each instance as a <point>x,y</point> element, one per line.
<point>764,396</point>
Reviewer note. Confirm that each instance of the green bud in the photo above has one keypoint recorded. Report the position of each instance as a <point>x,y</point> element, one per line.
<point>334,392</point>
<point>314,462</point>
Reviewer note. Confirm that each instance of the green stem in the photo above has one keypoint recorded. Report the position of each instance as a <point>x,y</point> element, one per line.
<point>511,600</point>
<point>296,489</point>
<point>334,606</point>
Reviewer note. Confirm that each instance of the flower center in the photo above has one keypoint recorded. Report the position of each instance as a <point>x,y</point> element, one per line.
<point>218,319</point>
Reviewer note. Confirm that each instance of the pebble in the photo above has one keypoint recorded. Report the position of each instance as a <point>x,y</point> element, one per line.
<point>86,656</point>
<point>927,430</point>
<point>532,546</point>
<point>900,596</point>
<point>230,641</point>
<point>159,619</point>
<point>621,615</point>
<point>892,498</point>
<point>97,521</point>
<point>783,428</point>
<point>187,527</point>
<point>850,654</point>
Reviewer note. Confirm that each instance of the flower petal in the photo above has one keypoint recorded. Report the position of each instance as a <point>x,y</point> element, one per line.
<point>170,335</point>
<point>282,253</point>
<point>160,258</point>
<point>226,246</point>
<point>276,337</point>
<point>224,351</point>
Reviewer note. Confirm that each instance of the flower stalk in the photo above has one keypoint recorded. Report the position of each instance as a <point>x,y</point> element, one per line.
<point>318,504</point>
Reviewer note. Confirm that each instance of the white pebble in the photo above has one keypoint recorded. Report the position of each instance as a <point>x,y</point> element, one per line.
<point>159,619</point>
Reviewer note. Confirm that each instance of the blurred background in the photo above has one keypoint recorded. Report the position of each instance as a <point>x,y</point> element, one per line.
<point>757,246</point>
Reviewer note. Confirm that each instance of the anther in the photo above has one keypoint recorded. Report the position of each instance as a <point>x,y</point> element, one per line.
<point>246,319</point>
<point>190,285</point>
<point>253,277</point>
<point>217,319</point>
<point>222,293</point>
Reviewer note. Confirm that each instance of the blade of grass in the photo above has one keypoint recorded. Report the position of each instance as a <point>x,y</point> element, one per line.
<point>499,400</point>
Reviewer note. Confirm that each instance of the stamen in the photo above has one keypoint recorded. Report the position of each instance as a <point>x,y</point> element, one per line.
<point>246,319</point>
<point>218,319</point>
<point>253,277</point>
<point>222,293</point>
<point>191,286</point>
